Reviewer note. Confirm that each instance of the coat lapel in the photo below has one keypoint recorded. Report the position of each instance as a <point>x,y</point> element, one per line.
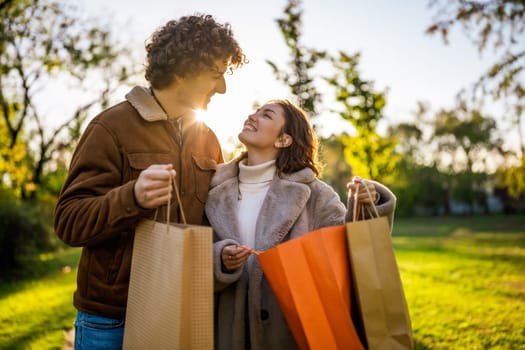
<point>284,202</point>
<point>223,201</point>
<point>282,206</point>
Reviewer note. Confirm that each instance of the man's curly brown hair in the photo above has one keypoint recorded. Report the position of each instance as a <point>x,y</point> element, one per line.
<point>189,46</point>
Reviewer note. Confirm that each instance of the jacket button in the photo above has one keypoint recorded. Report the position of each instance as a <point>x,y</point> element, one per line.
<point>264,315</point>
<point>128,210</point>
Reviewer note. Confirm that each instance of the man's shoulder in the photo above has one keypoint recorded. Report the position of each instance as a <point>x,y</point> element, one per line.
<point>122,112</point>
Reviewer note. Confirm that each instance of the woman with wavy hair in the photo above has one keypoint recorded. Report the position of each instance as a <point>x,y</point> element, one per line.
<point>266,196</point>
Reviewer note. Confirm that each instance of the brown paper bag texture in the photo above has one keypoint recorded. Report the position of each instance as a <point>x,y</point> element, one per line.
<point>170,300</point>
<point>377,283</point>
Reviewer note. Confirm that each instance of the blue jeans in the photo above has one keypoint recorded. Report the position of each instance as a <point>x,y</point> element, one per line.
<point>97,332</point>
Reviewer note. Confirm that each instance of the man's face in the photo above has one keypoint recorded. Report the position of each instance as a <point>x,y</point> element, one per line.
<point>196,92</point>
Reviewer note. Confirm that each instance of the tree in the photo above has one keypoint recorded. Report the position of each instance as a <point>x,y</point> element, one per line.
<point>298,76</point>
<point>500,24</point>
<point>42,42</point>
<point>336,171</point>
<point>369,154</point>
<point>471,142</point>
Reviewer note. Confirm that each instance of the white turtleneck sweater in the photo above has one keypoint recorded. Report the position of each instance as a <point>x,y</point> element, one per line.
<point>254,182</point>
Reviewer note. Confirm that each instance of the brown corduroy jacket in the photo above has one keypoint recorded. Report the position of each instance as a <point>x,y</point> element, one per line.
<point>97,210</point>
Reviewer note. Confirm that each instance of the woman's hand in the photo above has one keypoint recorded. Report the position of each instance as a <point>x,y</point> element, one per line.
<point>234,256</point>
<point>358,185</point>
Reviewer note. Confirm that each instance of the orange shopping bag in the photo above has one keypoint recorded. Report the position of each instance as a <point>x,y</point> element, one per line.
<point>310,277</point>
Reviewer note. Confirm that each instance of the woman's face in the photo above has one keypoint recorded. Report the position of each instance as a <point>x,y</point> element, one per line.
<point>262,129</point>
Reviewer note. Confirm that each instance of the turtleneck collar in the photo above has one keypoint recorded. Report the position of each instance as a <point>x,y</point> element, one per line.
<point>263,172</point>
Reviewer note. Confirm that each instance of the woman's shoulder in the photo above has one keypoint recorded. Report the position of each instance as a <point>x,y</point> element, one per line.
<point>305,176</point>
<point>224,172</point>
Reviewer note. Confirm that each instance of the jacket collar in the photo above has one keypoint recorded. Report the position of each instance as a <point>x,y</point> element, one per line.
<point>148,107</point>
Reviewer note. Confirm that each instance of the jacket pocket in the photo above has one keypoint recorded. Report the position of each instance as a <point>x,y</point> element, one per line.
<point>204,168</point>
<point>142,160</point>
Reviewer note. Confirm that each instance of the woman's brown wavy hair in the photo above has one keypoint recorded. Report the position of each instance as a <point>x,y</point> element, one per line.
<point>189,46</point>
<point>302,153</point>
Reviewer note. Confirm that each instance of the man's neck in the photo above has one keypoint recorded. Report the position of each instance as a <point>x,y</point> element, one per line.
<point>169,104</point>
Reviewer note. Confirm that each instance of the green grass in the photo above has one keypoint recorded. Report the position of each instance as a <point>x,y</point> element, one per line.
<point>37,310</point>
<point>464,280</point>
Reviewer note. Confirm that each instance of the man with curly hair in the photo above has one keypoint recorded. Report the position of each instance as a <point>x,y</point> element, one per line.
<point>121,168</point>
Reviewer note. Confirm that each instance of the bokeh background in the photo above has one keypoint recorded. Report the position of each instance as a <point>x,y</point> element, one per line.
<point>424,96</point>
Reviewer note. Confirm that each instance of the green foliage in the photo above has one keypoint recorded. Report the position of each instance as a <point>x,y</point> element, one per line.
<point>362,106</point>
<point>419,189</point>
<point>298,76</point>
<point>43,41</point>
<point>369,154</point>
<point>25,229</point>
<point>500,22</point>
<point>513,179</point>
<point>336,171</point>
<point>447,156</point>
<point>468,137</point>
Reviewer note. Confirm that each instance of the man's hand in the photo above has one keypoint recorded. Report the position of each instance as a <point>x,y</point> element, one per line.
<point>153,186</point>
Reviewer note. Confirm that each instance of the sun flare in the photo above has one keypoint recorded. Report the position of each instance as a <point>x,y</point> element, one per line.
<point>225,125</point>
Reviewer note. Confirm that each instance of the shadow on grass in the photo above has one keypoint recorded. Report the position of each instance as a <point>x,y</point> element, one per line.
<point>443,226</point>
<point>420,346</point>
<point>38,267</point>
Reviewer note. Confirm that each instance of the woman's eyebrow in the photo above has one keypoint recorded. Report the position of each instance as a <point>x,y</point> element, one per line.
<point>267,109</point>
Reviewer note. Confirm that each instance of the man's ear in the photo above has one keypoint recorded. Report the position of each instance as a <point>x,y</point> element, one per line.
<point>283,141</point>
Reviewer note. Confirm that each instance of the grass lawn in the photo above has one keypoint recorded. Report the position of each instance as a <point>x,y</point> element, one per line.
<point>464,280</point>
<point>36,311</point>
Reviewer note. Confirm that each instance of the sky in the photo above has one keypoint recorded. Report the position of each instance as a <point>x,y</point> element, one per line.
<point>396,54</point>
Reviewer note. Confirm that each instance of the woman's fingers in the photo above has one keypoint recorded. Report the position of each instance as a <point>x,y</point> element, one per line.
<point>234,256</point>
<point>360,186</point>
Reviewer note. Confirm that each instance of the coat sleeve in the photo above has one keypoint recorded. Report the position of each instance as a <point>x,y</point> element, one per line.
<point>328,209</point>
<point>94,204</point>
<point>221,278</point>
<point>385,207</point>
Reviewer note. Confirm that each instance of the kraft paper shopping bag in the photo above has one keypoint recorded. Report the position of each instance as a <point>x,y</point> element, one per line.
<point>170,298</point>
<point>381,302</point>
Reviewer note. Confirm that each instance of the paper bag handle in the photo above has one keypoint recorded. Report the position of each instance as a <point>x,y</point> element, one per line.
<point>356,204</point>
<point>168,206</point>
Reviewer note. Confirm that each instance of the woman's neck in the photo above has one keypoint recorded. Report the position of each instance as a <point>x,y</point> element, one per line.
<point>256,157</point>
